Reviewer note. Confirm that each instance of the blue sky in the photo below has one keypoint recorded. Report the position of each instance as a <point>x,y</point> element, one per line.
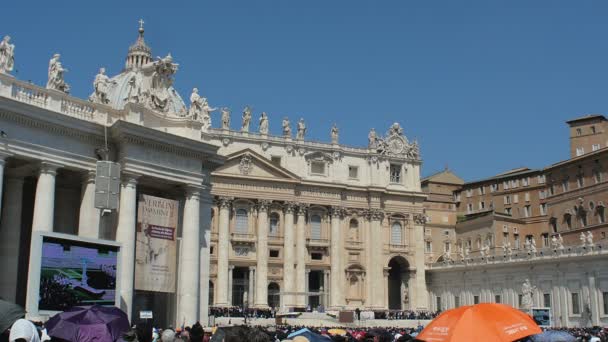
<point>483,85</point>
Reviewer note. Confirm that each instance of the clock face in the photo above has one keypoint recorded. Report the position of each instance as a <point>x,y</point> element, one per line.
<point>396,145</point>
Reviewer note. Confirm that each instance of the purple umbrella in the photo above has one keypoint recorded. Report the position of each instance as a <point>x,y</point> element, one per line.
<point>83,324</point>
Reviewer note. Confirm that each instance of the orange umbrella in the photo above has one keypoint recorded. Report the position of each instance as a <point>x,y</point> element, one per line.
<point>481,322</point>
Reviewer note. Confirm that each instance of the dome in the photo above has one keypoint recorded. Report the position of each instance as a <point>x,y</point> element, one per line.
<point>139,52</point>
<point>125,89</point>
<point>145,81</point>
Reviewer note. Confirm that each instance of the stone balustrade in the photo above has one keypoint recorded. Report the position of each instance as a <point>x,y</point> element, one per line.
<point>523,256</point>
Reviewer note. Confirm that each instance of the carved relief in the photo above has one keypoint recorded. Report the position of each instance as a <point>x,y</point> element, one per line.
<point>246,164</point>
<point>420,218</point>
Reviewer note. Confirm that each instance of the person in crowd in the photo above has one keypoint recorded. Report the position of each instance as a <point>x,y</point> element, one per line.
<point>24,331</point>
<point>168,335</point>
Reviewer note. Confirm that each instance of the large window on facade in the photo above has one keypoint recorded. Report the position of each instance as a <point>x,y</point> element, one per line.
<point>273,228</point>
<point>395,173</point>
<point>553,224</point>
<point>599,211</point>
<point>582,216</point>
<point>396,234</point>
<point>576,305</point>
<point>547,300</point>
<point>242,221</point>
<point>568,220</point>
<point>605,302</point>
<point>315,227</point>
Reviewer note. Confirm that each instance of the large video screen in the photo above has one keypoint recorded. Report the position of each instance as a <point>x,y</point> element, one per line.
<point>76,273</point>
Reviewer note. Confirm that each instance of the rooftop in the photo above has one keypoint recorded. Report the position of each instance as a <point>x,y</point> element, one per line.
<point>587,117</point>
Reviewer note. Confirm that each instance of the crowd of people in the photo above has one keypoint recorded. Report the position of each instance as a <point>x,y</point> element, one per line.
<point>237,311</point>
<point>26,331</point>
<point>405,314</point>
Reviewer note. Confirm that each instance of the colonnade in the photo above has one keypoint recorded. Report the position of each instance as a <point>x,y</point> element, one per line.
<point>188,308</point>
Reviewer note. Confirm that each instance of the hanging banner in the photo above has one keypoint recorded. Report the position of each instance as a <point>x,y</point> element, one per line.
<point>155,252</point>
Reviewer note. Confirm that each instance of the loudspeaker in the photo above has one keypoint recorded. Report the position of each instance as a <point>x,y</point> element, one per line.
<point>107,185</point>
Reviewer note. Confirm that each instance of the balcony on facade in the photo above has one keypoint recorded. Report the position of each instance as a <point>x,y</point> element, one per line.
<point>352,244</point>
<point>242,238</point>
<point>317,243</point>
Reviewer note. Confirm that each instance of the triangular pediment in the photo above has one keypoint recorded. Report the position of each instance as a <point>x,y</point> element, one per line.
<point>446,177</point>
<point>249,164</point>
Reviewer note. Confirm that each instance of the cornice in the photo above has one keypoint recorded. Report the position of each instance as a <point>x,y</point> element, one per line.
<point>135,134</point>
<point>92,134</point>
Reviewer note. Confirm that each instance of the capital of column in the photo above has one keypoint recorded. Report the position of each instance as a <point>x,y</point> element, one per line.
<point>49,168</point>
<point>263,205</point>
<point>193,191</point>
<point>302,208</point>
<point>290,207</point>
<point>337,212</point>
<point>3,156</point>
<point>89,176</point>
<point>129,180</point>
<point>374,215</point>
<point>231,268</point>
<point>252,268</point>
<point>224,202</point>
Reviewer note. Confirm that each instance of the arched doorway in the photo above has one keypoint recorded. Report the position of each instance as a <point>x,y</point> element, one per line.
<point>398,290</point>
<point>274,295</point>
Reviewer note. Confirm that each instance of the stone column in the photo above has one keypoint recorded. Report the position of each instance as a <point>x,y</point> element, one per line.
<point>205,256</point>
<point>306,288</point>
<point>376,283</point>
<point>421,300</point>
<point>230,271</point>
<point>288,257</point>
<point>336,258</point>
<point>223,249</point>
<point>10,234</point>
<point>189,259</point>
<point>44,215</point>
<point>593,300</point>
<point>88,223</point>
<point>3,156</point>
<point>261,280</point>
<point>125,234</point>
<point>326,288</point>
<point>44,204</point>
<point>251,290</point>
<point>301,257</point>
<point>385,274</point>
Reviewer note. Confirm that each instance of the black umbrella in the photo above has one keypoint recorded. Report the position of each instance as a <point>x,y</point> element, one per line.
<point>9,313</point>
